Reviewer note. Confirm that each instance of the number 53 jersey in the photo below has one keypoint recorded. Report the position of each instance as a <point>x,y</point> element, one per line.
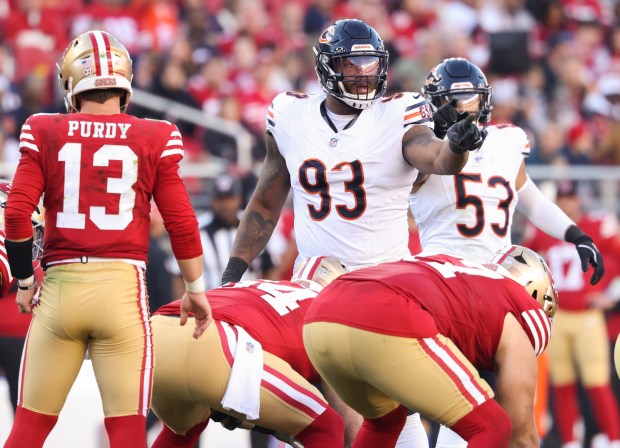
<point>98,174</point>
<point>350,187</point>
<point>470,214</point>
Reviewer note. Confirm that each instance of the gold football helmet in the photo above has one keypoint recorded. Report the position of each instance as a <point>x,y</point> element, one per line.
<point>94,60</point>
<point>320,271</point>
<point>531,271</point>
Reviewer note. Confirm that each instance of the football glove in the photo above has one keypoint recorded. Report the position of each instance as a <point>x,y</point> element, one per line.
<point>466,136</point>
<point>234,270</point>
<point>446,116</point>
<point>588,252</point>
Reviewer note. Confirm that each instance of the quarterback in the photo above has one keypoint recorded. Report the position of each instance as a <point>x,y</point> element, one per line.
<point>97,169</point>
<point>411,334</point>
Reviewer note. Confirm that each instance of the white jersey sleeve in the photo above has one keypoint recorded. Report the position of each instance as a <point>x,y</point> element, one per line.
<point>350,187</point>
<point>470,214</point>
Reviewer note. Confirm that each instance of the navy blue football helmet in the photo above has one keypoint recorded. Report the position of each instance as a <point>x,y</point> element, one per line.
<point>351,62</point>
<point>458,78</point>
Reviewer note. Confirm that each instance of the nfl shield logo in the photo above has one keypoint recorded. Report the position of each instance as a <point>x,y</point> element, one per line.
<point>333,142</point>
<point>249,347</point>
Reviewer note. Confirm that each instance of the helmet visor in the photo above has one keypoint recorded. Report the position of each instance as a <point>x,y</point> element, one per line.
<point>359,74</point>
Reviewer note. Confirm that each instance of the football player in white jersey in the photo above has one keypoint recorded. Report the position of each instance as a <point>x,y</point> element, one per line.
<point>350,155</point>
<point>470,214</point>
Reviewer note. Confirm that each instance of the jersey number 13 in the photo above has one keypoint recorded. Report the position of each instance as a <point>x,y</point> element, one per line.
<point>70,218</point>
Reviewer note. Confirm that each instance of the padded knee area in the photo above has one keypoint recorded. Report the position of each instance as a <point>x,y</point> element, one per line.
<point>127,431</point>
<point>326,431</point>
<point>485,426</point>
<point>169,439</point>
<point>382,431</point>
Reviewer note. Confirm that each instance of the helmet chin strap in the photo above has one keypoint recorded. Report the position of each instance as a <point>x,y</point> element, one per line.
<point>356,103</point>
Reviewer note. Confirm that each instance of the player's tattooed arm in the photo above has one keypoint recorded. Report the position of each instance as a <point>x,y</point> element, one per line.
<point>263,211</point>
<point>429,154</point>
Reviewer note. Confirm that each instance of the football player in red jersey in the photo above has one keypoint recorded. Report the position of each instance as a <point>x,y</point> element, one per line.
<point>412,334</point>
<point>13,325</point>
<point>251,364</point>
<point>580,347</point>
<point>97,169</point>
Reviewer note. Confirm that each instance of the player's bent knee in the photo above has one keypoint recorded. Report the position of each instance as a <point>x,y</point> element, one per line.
<point>485,426</point>
<point>326,431</point>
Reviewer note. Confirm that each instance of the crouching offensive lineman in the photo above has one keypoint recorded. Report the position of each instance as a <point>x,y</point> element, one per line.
<point>412,334</point>
<point>251,364</point>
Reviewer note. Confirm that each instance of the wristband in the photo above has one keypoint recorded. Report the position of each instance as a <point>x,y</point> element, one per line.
<point>197,286</point>
<point>20,258</point>
<point>575,235</point>
<point>26,284</point>
<point>235,269</point>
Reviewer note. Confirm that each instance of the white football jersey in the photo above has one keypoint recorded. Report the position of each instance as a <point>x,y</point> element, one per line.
<point>350,188</point>
<point>470,214</point>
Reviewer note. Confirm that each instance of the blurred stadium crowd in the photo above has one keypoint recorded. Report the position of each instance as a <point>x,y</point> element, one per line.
<point>554,66</point>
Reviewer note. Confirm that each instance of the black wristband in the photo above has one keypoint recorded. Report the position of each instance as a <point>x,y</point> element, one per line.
<point>235,269</point>
<point>20,258</point>
<point>575,235</point>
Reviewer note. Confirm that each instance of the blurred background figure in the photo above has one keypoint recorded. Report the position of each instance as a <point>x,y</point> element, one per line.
<point>579,349</point>
<point>218,228</point>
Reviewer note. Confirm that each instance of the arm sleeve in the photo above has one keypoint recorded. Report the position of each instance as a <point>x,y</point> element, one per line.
<point>543,213</point>
<point>175,207</point>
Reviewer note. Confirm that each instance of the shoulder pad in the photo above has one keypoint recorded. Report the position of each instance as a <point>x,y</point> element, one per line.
<point>515,136</point>
<point>416,110</point>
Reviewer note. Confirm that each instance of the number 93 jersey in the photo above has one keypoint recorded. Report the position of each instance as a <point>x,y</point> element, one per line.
<point>350,188</point>
<point>470,214</point>
<point>98,174</point>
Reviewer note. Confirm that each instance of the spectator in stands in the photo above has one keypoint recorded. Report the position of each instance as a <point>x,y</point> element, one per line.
<point>549,147</point>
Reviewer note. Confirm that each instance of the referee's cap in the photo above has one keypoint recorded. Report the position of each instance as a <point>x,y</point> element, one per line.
<point>227,185</point>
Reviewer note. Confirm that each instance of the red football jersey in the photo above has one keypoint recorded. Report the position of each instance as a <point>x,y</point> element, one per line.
<point>431,294</point>
<point>563,260</point>
<point>271,312</point>
<point>98,173</point>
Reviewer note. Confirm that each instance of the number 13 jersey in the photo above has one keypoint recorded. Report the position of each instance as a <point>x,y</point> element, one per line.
<point>350,187</point>
<point>99,173</point>
<point>470,214</point>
